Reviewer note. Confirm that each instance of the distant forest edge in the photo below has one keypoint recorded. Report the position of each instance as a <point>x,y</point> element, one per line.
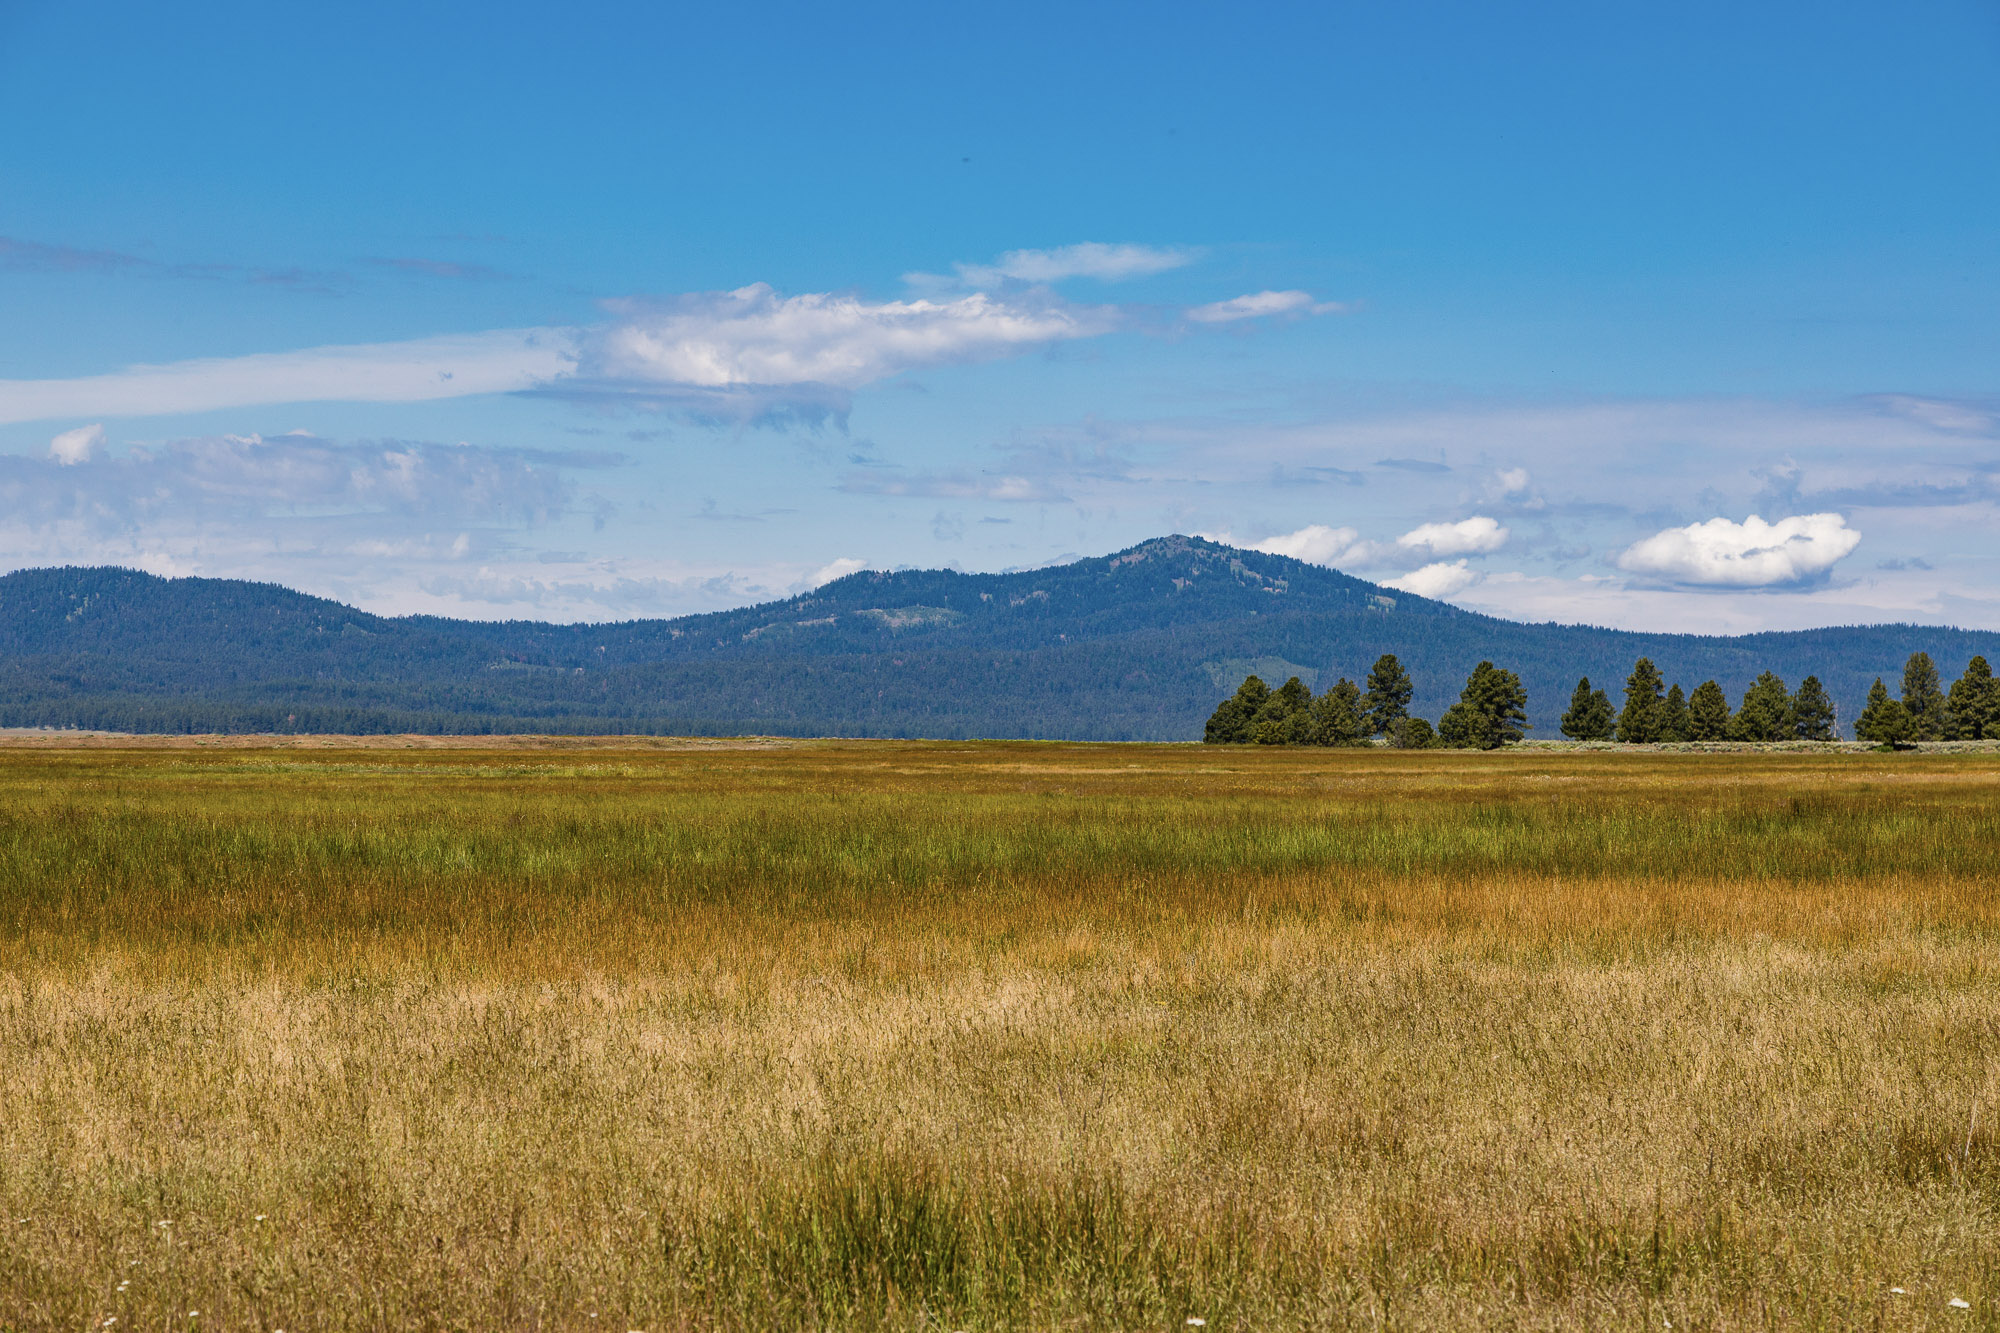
<point>1492,711</point>
<point>1132,646</point>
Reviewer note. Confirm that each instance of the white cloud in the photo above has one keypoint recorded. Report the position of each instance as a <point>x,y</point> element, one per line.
<point>406,372</point>
<point>1513,480</point>
<point>837,569</point>
<point>753,336</point>
<point>1751,554</point>
<point>77,446</point>
<point>705,344</point>
<point>1436,580</point>
<point>1255,305</point>
<point>1092,259</point>
<point>1478,535</point>
<point>1315,544</point>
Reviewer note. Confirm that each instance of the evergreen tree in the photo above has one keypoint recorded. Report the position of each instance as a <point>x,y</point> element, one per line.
<point>1674,722</point>
<point>1388,697</point>
<point>1814,717</point>
<point>1923,698</point>
<point>1285,718</point>
<point>1491,711</point>
<point>1640,721</point>
<point>1336,716</point>
<point>1973,711</point>
<point>1765,713</point>
<point>1884,720</point>
<point>1589,717</point>
<point>1412,733</point>
<point>1708,713</point>
<point>1230,723</point>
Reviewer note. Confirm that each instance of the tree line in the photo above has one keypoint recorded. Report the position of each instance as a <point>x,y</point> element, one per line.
<point>1771,712</point>
<point>1492,710</point>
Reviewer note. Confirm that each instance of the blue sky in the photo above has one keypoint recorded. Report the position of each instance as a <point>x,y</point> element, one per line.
<point>1667,317</point>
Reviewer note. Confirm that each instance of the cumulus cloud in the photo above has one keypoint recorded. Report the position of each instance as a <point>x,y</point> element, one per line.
<point>1315,544</point>
<point>1478,535</point>
<point>1752,554</point>
<point>754,336</point>
<point>77,446</point>
<point>1441,579</point>
<point>836,569</point>
<point>449,367</point>
<point>1092,259</point>
<point>1256,305</point>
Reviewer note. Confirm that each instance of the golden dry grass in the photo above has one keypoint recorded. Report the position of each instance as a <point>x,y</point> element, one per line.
<point>1009,1035</point>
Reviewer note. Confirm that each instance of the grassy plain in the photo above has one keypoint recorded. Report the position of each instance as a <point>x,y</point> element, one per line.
<point>1000,1035</point>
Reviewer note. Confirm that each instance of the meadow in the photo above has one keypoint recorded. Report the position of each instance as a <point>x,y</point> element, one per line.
<point>977,1036</point>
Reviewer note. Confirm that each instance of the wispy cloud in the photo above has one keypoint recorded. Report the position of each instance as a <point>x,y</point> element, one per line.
<point>1091,259</point>
<point>1262,305</point>
<point>1478,535</point>
<point>952,486</point>
<point>754,336</point>
<point>450,367</point>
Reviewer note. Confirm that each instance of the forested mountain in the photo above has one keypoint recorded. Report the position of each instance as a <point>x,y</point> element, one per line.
<point>1137,645</point>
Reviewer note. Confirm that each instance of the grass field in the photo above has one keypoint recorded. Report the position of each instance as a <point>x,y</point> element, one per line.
<point>1003,1035</point>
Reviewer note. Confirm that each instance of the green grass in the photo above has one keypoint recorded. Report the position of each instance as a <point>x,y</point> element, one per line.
<point>1011,1035</point>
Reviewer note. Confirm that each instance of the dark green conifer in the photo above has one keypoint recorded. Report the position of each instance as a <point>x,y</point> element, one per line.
<point>1814,717</point>
<point>1708,713</point>
<point>1973,710</point>
<point>1491,711</point>
<point>1923,698</point>
<point>1286,717</point>
<point>1640,720</point>
<point>1674,723</point>
<point>1884,720</point>
<point>1765,713</point>
<point>1388,697</point>
<point>1230,723</point>
<point>1337,716</point>
<point>1589,717</point>
<point>1412,733</point>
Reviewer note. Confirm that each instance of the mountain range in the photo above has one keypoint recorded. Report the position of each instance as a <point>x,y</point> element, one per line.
<point>1139,645</point>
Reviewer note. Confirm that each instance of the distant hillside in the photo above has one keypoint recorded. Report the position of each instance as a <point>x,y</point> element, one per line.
<point>1139,645</point>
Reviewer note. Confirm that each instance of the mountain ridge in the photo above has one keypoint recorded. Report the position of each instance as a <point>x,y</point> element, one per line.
<point>1138,644</point>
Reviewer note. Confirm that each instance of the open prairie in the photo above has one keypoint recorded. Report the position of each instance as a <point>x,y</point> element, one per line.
<point>969,1036</point>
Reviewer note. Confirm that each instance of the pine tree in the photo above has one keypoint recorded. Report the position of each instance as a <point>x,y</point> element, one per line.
<point>1708,713</point>
<point>1388,697</point>
<point>1674,723</point>
<point>1230,723</point>
<point>1814,717</point>
<point>1412,733</point>
<point>1765,713</point>
<point>1286,717</point>
<point>1923,698</point>
<point>1640,721</point>
<point>1589,717</point>
<point>1336,716</point>
<point>1884,720</point>
<point>1973,711</point>
<point>1491,711</point>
